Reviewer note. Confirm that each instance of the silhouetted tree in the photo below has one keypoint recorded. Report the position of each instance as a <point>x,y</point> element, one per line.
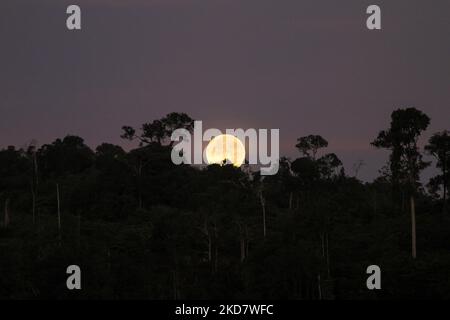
<point>309,145</point>
<point>405,160</point>
<point>159,131</point>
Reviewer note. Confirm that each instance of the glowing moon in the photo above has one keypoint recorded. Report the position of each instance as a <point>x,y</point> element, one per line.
<point>225,147</point>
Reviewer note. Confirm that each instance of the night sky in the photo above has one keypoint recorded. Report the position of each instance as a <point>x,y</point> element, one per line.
<point>305,67</point>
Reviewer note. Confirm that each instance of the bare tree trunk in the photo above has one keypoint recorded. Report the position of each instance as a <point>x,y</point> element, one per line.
<point>209,248</point>
<point>242,241</point>
<point>6,217</point>
<point>444,173</point>
<point>246,242</point>
<point>322,241</point>
<point>33,210</point>
<point>413,227</point>
<point>243,234</point>
<point>140,202</point>
<point>328,256</point>
<point>207,233</point>
<point>79,230</point>
<point>35,167</point>
<point>216,258</point>
<point>59,212</point>
<point>34,186</point>
<point>320,286</point>
<point>175,285</point>
<point>263,206</point>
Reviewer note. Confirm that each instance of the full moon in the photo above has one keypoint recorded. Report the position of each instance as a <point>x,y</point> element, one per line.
<point>225,147</point>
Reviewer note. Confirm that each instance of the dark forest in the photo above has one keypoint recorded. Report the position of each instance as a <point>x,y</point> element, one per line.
<point>141,227</point>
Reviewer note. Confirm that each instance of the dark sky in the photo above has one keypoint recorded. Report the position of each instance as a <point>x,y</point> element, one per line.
<point>305,67</point>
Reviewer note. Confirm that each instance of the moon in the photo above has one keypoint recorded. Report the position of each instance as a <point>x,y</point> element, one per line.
<point>225,147</point>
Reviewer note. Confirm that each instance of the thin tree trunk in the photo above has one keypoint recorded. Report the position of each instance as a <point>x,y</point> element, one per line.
<point>246,242</point>
<point>33,210</point>
<point>6,217</point>
<point>323,244</point>
<point>263,206</point>
<point>328,256</point>
<point>79,229</point>
<point>140,202</point>
<point>413,227</point>
<point>35,167</point>
<point>320,286</point>
<point>207,233</point>
<point>175,284</point>
<point>59,212</point>
<point>242,249</point>
<point>209,248</point>
<point>243,241</point>
<point>444,173</point>
<point>34,186</point>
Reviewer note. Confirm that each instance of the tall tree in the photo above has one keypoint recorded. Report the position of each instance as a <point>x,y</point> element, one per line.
<point>31,154</point>
<point>159,131</point>
<point>175,120</point>
<point>405,159</point>
<point>309,145</point>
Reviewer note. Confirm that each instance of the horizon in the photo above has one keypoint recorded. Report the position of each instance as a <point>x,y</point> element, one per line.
<point>307,67</point>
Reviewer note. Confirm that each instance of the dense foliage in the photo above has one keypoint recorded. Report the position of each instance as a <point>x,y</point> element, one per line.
<point>141,227</point>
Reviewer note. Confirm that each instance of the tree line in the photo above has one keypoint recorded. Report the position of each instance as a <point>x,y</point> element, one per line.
<point>142,227</point>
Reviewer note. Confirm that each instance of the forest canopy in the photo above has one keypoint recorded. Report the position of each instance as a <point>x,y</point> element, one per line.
<point>141,227</point>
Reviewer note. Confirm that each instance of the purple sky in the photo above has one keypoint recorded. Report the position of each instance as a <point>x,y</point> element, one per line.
<point>305,67</point>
